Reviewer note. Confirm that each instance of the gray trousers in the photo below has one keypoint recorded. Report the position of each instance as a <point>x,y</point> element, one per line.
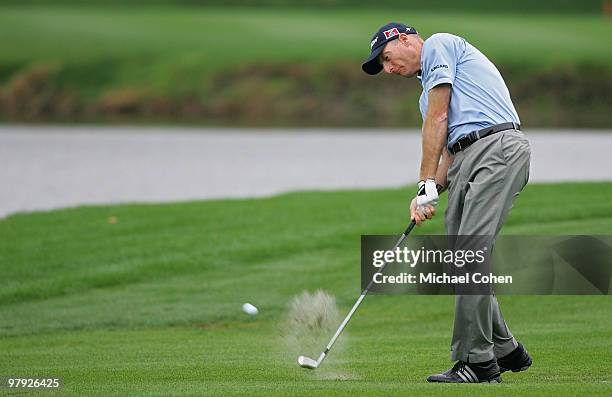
<point>483,182</point>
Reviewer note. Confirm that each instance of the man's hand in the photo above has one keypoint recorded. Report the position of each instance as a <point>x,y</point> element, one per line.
<point>423,206</point>
<point>427,194</point>
<point>421,216</point>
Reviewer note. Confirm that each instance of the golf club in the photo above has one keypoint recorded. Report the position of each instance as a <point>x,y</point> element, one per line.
<point>307,362</point>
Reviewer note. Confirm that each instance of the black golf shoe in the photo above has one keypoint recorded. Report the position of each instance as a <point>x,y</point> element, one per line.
<point>516,361</point>
<point>487,372</point>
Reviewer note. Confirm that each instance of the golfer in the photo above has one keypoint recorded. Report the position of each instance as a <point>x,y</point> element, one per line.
<point>471,145</point>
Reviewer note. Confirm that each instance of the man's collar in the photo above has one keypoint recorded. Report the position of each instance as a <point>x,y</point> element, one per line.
<point>419,75</point>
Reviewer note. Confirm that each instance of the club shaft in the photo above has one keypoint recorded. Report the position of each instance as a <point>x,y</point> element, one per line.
<point>360,299</point>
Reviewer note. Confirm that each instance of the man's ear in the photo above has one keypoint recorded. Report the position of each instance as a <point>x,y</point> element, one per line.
<point>404,39</point>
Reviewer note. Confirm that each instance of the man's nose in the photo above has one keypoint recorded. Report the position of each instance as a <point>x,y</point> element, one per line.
<point>388,68</point>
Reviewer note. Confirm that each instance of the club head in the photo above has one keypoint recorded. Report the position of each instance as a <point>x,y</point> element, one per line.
<point>307,362</point>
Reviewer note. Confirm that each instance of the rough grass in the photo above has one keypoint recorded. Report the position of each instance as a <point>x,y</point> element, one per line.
<point>283,66</point>
<point>221,38</point>
<point>148,302</point>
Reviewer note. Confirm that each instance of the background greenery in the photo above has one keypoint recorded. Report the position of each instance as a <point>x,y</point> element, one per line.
<point>145,299</point>
<point>286,65</point>
<point>519,6</point>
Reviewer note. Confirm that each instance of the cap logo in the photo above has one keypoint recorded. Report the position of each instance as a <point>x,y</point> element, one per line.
<point>391,33</point>
<point>373,42</point>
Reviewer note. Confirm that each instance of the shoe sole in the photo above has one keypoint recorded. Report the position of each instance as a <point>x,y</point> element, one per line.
<point>494,380</point>
<point>521,369</point>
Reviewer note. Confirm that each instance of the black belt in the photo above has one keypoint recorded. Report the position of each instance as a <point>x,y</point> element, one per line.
<point>473,136</point>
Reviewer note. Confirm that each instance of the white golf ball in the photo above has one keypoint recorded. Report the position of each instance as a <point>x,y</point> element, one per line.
<point>249,309</point>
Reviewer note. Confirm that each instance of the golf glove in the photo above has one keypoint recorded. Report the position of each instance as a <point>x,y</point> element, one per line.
<point>427,194</point>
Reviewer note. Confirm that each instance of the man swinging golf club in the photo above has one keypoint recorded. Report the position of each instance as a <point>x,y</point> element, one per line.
<point>471,145</point>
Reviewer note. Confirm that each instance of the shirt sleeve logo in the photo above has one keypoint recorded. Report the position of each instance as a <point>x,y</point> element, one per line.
<point>391,33</point>
<point>438,67</point>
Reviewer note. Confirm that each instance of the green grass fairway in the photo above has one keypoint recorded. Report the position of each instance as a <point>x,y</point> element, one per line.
<point>150,304</point>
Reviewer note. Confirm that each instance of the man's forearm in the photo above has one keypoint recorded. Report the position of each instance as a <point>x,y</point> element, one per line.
<point>442,173</point>
<point>434,138</point>
<point>435,128</point>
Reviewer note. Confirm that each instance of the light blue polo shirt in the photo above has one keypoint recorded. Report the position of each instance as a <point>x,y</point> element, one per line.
<point>479,96</point>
